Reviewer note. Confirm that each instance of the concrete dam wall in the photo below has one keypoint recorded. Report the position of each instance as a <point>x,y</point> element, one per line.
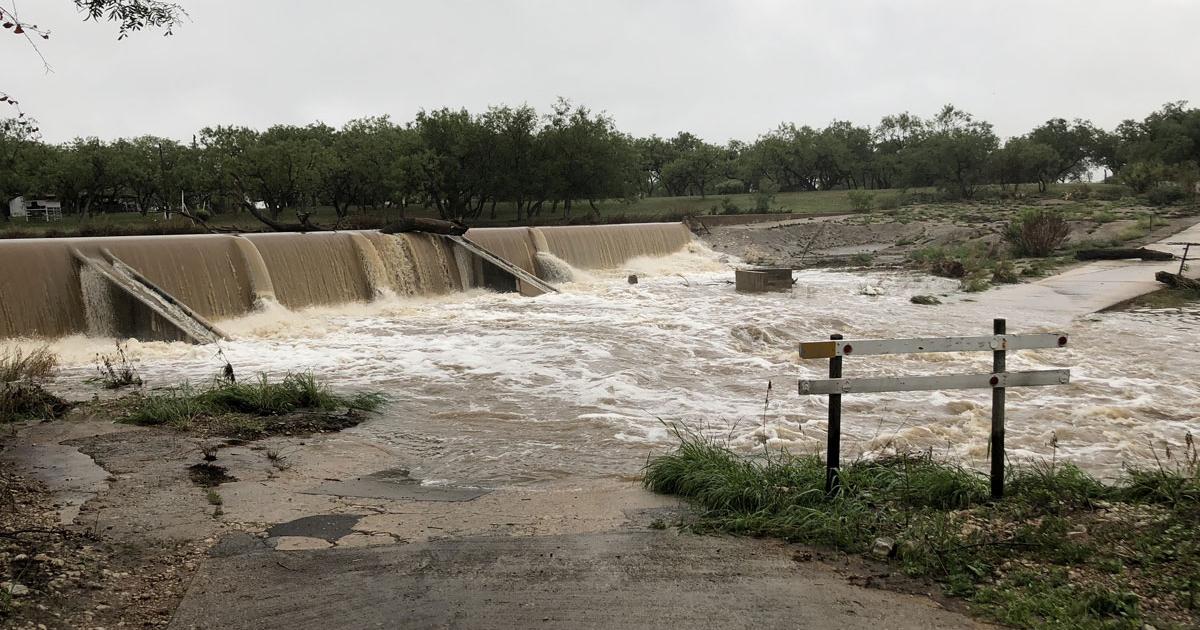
<point>58,287</point>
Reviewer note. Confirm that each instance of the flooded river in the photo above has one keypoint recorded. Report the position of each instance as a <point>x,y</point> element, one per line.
<point>493,389</point>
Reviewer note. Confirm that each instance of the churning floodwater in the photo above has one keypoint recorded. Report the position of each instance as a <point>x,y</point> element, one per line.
<point>490,388</point>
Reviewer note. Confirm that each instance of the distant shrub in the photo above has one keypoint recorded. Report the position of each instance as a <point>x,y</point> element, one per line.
<point>730,187</point>
<point>862,259</point>
<point>764,194</point>
<point>1165,194</point>
<point>729,207</point>
<point>987,193</point>
<point>930,196</point>
<point>1109,192</point>
<point>958,262</point>
<point>890,201</point>
<point>861,200</point>
<point>975,284</point>
<point>1005,273</point>
<point>1037,232</point>
<point>1141,176</point>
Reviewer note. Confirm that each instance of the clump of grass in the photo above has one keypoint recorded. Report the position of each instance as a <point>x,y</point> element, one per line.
<point>955,262</point>
<point>1138,230</point>
<point>1005,272</point>
<point>22,394</point>
<point>24,400</point>
<point>1164,298</point>
<point>116,370</point>
<point>890,201</point>
<point>1062,550</point>
<point>242,403</point>
<point>975,283</point>
<point>36,365</point>
<point>862,259</point>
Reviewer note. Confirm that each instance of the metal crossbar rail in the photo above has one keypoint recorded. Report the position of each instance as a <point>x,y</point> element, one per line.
<point>998,380</point>
<point>1183,259</point>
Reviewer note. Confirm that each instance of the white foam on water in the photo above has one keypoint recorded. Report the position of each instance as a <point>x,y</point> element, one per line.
<point>493,388</point>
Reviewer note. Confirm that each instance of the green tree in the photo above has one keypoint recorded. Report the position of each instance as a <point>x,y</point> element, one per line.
<point>587,158</point>
<point>447,163</point>
<point>956,152</point>
<point>1073,143</point>
<point>516,149</point>
<point>1024,160</point>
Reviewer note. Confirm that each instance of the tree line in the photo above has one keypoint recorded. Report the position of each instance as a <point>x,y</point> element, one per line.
<point>462,164</point>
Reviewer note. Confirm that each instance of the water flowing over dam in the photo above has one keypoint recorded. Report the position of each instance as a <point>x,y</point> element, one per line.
<point>489,387</point>
<point>48,292</point>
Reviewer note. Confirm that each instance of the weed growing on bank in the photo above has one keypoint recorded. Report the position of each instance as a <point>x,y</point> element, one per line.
<point>37,365</point>
<point>116,370</point>
<point>298,403</point>
<point>22,376</point>
<point>1062,550</point>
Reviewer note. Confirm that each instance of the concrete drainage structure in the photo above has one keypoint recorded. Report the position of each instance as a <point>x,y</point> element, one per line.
<point>763,279</point>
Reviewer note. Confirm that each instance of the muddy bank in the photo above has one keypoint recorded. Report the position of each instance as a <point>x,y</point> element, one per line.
<point>889,239</point>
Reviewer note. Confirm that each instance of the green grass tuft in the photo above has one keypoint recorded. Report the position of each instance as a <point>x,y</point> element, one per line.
<point>180,407</point>
<point>1062,550</point>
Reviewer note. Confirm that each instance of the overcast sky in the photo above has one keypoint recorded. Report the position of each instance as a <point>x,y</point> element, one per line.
<point>722,69</point>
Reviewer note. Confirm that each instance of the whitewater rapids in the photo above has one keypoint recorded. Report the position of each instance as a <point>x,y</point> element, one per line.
<point>493,389</point>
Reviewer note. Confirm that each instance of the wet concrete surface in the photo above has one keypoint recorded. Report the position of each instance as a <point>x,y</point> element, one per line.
<point>396,484</point>
<point>328,527</point>
<point>632,579</point>
<point>72,476</point>
<point>1087,288</point>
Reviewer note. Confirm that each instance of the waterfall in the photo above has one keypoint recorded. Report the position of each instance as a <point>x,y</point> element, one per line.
<point>43,292</point>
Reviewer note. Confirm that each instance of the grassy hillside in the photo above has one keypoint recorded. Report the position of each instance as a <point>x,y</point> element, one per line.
<point>611,211</point>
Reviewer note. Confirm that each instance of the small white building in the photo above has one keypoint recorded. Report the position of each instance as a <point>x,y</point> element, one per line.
<point>35,209</point>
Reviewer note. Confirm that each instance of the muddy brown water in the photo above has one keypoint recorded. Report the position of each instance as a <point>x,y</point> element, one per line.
<point>492,389</point>
<point>223,276</point>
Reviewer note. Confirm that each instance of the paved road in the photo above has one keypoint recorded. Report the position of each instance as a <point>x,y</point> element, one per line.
<point>628,579</point>
<point>1085,289</point>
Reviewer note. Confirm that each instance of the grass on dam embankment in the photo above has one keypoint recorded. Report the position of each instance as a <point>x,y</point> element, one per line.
<point>1062,550</point>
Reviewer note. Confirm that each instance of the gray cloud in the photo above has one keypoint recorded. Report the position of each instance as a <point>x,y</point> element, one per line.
<point>722,69</point>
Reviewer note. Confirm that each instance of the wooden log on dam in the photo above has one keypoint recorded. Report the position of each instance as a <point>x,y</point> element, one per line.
<point>429,226</point>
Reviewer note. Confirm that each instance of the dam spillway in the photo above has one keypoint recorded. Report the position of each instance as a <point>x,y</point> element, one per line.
<point>46,292</point>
